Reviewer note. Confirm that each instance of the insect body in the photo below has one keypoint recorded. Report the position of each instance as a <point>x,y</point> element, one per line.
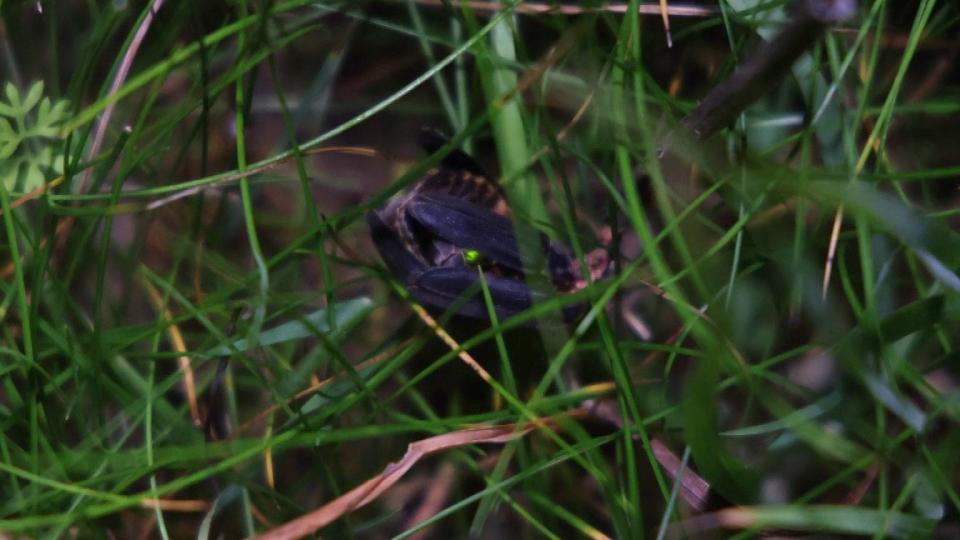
<point>436,235</point>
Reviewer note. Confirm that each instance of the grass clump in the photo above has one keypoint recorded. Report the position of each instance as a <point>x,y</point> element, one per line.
<point>198,338</point>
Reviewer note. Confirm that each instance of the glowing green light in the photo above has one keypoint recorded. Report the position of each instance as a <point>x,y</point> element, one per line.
<point>472,256</point>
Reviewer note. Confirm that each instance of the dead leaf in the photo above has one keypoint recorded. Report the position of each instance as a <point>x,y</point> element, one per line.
<point>373,488</point>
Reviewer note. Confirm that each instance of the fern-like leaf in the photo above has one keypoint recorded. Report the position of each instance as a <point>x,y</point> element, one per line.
<point>29,142</point>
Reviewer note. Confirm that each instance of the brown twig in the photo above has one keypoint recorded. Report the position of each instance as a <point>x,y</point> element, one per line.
<point>543,8</point>
<point>436,493</point>
<point>373,488</point>
<point>452,343</point>
<point>766,66</point>
<point>665,15</point>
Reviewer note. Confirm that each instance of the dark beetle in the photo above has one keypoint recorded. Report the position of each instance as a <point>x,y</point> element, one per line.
<point>435,235</point>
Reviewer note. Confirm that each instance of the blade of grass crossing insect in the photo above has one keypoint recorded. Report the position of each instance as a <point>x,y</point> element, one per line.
<point>508,124</point>
<point>500,86</point>
<point>509,381</point>
<point>488,504</point>
<point>507,121</point>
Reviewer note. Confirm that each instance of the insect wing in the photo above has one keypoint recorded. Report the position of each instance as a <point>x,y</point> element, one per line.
<point>443,287</point>
<point>469,226</point>
<point>401,262</point>
<point>459,175</point>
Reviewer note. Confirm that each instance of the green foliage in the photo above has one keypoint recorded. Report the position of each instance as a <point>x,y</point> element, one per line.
<point>30,145</point>
<point>223,231</point>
